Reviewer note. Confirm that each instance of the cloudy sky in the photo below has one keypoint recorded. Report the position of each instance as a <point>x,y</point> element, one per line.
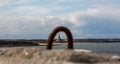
<point>31,19</point>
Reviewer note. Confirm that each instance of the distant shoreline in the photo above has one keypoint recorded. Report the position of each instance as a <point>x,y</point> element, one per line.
<point>19,43</point>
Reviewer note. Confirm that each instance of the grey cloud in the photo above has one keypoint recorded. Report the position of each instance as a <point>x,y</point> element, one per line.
<point>100,23</point>
<point>30,26</point>
<point>86,23</point>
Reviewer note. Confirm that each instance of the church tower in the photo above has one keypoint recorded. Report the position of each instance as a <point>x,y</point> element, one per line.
<point>59,39</point>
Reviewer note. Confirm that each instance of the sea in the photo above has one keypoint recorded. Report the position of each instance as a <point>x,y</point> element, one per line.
<point>111,48</point>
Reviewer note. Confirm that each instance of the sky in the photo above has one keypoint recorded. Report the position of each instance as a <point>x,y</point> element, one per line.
<point>35,19</point>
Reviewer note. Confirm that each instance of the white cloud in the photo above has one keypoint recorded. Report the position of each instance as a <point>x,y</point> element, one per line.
<point>85,23</point>
<point>26,10</point>
<point>25,19</point>
<point>31,25</point>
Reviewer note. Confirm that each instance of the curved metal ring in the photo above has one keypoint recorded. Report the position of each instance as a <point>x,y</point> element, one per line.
<point>55,31</point>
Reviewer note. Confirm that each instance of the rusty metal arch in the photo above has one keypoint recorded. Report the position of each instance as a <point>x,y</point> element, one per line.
<point>55,31</point>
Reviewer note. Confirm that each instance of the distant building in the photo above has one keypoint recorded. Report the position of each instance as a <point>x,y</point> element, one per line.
<point>59,40</point>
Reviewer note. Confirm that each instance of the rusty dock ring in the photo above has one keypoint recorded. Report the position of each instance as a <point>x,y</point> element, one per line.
<point>55,31</point>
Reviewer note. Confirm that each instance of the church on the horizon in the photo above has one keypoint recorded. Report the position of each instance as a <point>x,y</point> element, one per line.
<point>59,40</point>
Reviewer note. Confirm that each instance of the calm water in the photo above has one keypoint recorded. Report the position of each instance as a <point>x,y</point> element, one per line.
<point>113,48</point>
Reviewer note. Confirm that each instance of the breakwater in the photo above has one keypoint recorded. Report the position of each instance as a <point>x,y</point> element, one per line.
<point>42,56</point>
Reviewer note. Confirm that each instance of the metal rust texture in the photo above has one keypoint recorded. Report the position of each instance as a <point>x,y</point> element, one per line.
<point>55,31</point>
